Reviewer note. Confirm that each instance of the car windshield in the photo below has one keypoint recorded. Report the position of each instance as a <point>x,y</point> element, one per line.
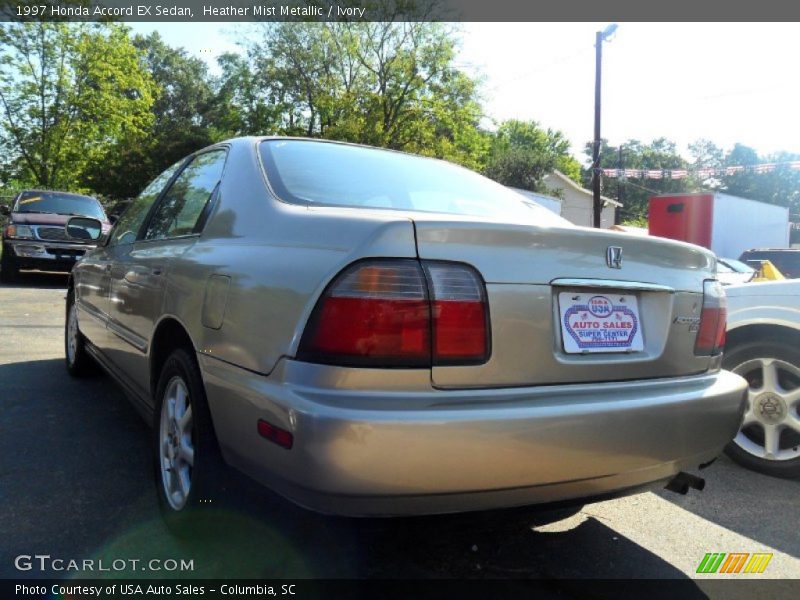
<point>58,203</point>
<point>309,172</point>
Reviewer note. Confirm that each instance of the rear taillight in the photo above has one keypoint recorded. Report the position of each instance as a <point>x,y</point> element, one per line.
<point>713,320</point>
<point>459,314</point>
<point>400,313</point>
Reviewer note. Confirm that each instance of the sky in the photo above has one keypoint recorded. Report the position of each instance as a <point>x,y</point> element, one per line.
<point>727,82</point>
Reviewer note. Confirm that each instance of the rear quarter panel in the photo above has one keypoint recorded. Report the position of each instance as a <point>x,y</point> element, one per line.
<point>278,258</point>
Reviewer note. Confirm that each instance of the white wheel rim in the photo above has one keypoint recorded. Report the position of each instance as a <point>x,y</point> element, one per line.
<point>176,451</point>
<point>72,333</point>
<point>771,409</point>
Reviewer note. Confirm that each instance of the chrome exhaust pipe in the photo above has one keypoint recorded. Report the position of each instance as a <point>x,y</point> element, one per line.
<point>681,483</point>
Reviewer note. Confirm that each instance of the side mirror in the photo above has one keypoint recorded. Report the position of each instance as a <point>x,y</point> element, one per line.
<point>84,229</point>
<point>5,210</point>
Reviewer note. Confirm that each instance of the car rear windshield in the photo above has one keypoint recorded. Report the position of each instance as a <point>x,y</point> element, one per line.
<point>330,174</point>
<point>58,203</point>
<point>736,266</point>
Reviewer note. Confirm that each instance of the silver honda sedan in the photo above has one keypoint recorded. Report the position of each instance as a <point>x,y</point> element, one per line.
<point>372,333</point>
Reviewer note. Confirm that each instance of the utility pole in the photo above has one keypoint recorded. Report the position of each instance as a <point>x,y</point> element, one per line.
<point>596,202</point>
<point>620,187</point>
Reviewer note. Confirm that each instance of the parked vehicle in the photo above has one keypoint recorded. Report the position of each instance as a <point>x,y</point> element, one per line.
<point>764,347</point>
<point>766,271</point>
<point>786,260</point>
<point>730,271</point>
<point>725,224</point>
<point>372,333</point>
<point>34,237</point>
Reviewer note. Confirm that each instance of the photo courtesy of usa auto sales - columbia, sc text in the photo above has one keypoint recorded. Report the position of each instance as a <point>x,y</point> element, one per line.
<point>125,589</point>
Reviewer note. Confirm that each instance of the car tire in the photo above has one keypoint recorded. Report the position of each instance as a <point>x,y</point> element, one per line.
<point>189,472</point>
<point>78,361</point>
<point>9,269</point>
<point>769,440</point>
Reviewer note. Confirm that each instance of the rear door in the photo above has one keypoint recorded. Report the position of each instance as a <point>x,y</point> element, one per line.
<point>140,269</point>
<point>94,275</point>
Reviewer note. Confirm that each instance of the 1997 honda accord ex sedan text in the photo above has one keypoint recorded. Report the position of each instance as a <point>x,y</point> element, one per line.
<point>372,333</point>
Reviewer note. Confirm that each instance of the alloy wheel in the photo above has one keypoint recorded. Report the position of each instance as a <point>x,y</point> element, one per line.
<point>176,447</point>
<point>72,334</point>
<point>771,426</point>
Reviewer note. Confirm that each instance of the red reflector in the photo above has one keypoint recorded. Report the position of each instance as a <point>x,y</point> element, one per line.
<point>460,330</point>
<point>275,434</point>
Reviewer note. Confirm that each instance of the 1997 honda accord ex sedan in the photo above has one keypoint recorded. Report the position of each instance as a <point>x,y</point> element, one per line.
<point>372,333</point>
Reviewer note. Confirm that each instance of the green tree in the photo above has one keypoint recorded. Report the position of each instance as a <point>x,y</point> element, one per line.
<point>522,154</point>
<point>181,120</point>
<point>68,93</point>
<point>634,193</point>
<point>780,186</point>
<point>243,104</point>
<point>388,84</point>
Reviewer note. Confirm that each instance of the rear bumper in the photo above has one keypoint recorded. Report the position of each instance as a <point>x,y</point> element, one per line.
<point>358,453</point>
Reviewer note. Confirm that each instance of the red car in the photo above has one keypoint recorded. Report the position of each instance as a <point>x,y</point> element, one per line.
<point>34,237</point>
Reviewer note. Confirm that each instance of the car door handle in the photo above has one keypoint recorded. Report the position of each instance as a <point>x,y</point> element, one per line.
<point>157,271</point>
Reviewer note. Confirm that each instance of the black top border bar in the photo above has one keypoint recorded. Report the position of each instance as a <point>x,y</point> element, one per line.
<point>195,11</point>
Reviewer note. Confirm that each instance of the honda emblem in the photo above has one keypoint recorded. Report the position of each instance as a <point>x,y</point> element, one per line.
<point>614,257</point>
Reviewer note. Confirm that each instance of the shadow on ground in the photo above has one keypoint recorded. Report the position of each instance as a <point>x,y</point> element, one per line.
<point>764,508</point>
<point>38,280</point>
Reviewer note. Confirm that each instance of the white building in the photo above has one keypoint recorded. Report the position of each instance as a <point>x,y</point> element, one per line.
<point>577,204</point>
<point>549,202</point>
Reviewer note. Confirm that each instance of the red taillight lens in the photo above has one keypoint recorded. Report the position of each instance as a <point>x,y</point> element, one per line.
<point>387,313</point>
<point>373,313</point>
<point>460,314</point>
<point>713,320</point>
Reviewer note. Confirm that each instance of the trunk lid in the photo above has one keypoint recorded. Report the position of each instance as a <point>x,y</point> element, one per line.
<point>519,253</point>
<point>532,274</point>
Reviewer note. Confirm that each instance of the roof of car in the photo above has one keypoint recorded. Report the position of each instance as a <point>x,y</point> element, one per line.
<point>38,191</point>
<point>772,250</point>
<point>262,138</point>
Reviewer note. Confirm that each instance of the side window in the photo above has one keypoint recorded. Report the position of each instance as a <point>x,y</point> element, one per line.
<point>181,207</point>
<point>130,222</point>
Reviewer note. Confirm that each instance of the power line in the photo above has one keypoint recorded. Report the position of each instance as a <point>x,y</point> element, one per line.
<point>540,69</point>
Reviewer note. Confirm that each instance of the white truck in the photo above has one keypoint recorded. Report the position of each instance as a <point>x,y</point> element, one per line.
<point>726,225</point>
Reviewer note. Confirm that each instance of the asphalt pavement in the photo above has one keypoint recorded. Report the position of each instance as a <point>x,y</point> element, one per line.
<point>76,483</point>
